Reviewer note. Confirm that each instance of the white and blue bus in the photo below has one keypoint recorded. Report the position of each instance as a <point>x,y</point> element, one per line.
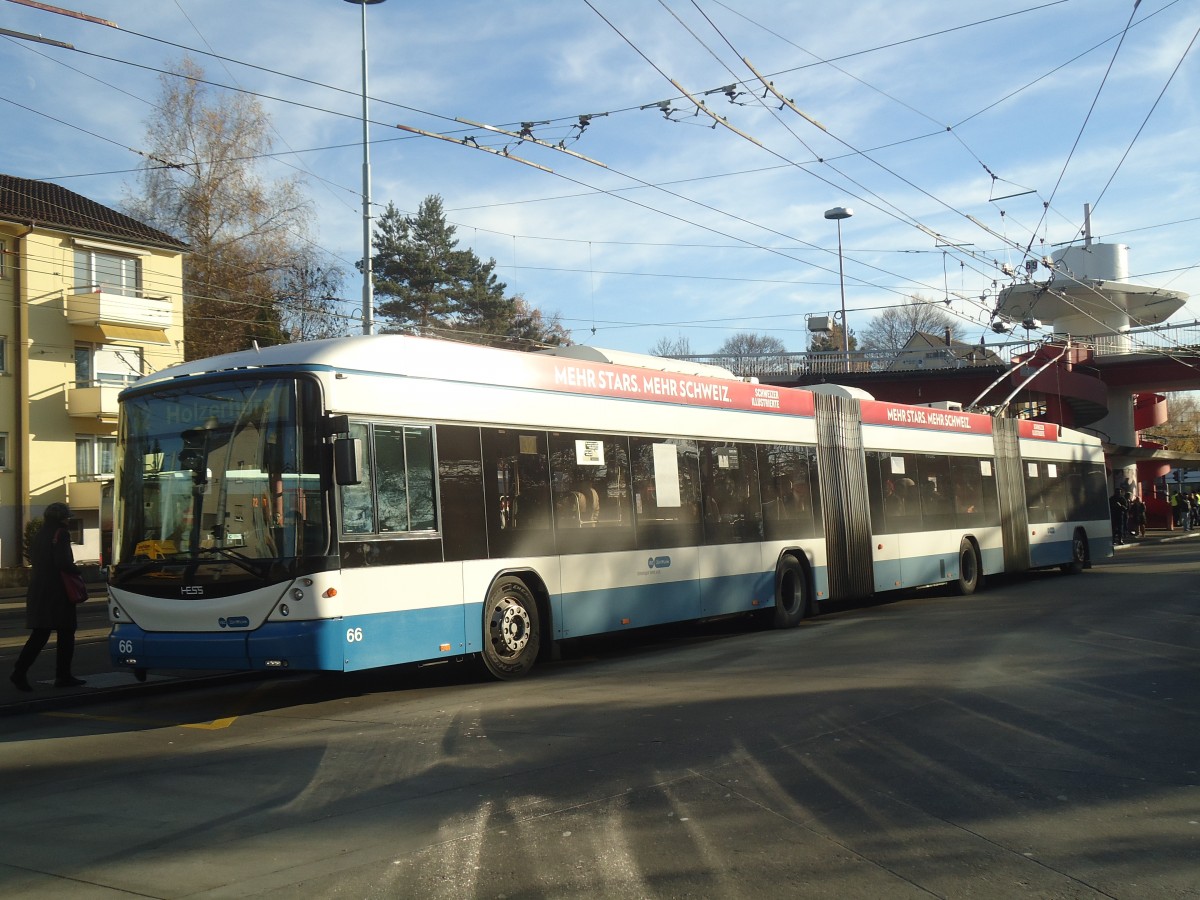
<point>369,501</point>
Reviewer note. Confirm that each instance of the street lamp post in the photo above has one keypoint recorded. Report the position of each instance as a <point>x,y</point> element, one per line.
<point>838,213</point>
<point>368,288</point>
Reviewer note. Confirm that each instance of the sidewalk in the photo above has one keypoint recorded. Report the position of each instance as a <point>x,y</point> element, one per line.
<point>91,662</point>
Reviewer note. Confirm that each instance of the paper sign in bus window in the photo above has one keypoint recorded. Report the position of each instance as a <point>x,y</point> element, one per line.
<point>897,465</point>
<point>589,453</point>
<point>666,475</point>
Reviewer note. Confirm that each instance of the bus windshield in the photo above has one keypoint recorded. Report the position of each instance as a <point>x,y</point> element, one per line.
<point>224,472</point>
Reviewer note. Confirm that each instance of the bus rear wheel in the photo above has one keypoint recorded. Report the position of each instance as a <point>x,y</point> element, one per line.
<point>791,593</point>
<point>969,570</point>
<point>511,631</point>
<point>1079,554</point>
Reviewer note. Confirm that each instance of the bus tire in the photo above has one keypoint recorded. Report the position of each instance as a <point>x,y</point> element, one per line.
<point>511,630</point>
<point>792,601</point>
<point>1079,554</point>
<point>970,572</point>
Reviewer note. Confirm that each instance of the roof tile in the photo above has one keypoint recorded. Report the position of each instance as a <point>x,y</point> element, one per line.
<point>50,205</point>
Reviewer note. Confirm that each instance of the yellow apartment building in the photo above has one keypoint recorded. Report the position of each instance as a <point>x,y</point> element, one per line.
<point>90,300</point>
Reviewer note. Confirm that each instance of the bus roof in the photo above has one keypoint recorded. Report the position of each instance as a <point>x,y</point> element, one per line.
<point>585,371</point>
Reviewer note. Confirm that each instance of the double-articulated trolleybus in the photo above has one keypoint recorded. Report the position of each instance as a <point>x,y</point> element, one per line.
<point>368,501</point>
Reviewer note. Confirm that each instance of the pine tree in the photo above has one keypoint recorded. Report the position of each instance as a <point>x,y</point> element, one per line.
<point>433,288</point>
<point>418,267</point>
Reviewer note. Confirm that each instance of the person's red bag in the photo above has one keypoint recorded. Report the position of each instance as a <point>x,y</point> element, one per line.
<point>74,585</point>
<point>72,582</point>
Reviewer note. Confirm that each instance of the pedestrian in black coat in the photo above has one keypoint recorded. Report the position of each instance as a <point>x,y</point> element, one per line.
<point>47,607</point>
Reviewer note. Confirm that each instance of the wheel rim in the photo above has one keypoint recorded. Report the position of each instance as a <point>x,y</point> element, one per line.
<point>510,627</point>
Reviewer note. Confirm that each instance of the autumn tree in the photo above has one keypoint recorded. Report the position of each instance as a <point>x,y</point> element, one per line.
<point>1181,431</point>
<point>203,185</point>
<point>892,328</point>
<point>427,285</point>
<point>309,300</point>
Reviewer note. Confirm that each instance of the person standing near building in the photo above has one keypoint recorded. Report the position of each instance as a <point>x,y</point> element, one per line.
<point>1117,509</point>
<point>1137,516</point>
<point>47,607</point>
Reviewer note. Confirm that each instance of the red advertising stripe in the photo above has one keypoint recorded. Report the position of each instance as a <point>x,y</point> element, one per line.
<point>877,412</point>
<point>602,380</point>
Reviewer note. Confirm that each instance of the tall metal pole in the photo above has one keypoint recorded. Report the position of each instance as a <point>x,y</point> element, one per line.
<point>842,285</point>
<point>838,213</point>
<point>368,288</point>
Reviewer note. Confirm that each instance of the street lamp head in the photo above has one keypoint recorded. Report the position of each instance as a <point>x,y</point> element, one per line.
<point>364,2</point>
<point>838,212</point>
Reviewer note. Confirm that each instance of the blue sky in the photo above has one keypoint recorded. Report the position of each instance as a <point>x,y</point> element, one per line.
<point>675,225</point>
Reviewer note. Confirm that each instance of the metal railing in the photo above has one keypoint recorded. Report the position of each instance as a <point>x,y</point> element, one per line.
<point>1180,338</point>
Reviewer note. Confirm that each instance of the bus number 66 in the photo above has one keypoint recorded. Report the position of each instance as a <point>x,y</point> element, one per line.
<point>353,635</point>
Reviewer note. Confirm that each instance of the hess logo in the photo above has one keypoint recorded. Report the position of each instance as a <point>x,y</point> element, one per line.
<point>192,590</point>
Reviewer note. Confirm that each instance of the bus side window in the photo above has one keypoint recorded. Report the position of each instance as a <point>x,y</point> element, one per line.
<point>593,495</point>
<point>402,472</point>
<point>901,493</point>
<point>875,488</point>
<point>966,479</point>
<point>1035,500</point>
<point>1095,489</point>
<point>521,488</point>
<point>937,501</point>
<point>733,509</point>
<point>666,484</point>
<point>666,480</point>
<point>358,500</point>
<point>787,477</point>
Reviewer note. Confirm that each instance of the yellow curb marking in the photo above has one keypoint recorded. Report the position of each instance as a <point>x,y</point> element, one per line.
<point>214,725</point>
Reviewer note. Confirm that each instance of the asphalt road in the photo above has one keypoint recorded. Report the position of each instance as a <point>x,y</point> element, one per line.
<point>1036,740</point>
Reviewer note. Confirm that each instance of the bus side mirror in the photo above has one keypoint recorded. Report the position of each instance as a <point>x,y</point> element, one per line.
<point>337,425</point>
<point>347,452</point>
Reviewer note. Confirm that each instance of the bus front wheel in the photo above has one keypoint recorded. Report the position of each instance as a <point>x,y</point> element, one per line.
<point>791,593</point>
<point>969,570</point>
<point>511,632</point>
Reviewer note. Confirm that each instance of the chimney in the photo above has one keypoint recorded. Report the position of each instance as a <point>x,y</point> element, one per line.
<point>947,335</point>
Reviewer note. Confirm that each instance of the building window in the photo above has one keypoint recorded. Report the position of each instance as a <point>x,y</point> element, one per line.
<point>3,450</point>
<point>3,354</point>
<point>107,364</point>
<point>109,272</point>
<point>3,258</point>
<point>94,455</point>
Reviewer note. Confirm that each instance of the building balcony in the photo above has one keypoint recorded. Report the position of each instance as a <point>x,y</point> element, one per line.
<point>89,491</point>
<point>93,401</point>
<point>130,318</point>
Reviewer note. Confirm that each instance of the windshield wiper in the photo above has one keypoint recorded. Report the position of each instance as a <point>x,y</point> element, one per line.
<point>241,560</point>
